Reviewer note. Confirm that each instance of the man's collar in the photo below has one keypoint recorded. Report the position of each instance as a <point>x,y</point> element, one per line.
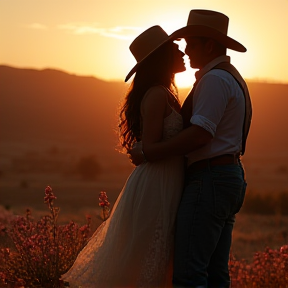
<point>211,64</point>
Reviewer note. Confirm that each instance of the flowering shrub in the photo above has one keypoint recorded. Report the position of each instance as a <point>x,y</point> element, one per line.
<point>104,203</point>
<point>43,250</point>
<point>269,269</point>
<point>6,217</point>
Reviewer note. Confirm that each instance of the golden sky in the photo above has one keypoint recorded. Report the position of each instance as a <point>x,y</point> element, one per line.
<point>91,37</point>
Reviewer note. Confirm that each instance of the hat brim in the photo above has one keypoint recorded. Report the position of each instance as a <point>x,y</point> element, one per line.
<point>205,31</point>
<point>134,69</point>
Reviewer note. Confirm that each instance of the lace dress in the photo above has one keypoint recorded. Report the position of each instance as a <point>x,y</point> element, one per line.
<point>134,247</point>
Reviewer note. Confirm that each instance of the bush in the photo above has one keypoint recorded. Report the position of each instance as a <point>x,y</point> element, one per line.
<point>88,168</point>
<point>259,204</point>
<point>266,204</point>
<point>269,269</point>
<point>43,250</point>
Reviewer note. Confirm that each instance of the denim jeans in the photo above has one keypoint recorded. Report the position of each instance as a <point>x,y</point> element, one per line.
<point>205,220</point>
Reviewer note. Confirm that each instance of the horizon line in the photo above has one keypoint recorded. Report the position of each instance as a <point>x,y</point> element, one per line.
<point>254,79</point>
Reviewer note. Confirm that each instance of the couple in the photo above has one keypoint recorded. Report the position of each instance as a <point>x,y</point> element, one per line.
<point>162,229</point>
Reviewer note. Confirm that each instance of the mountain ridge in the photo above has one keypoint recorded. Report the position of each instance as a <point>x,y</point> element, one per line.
<point>50,104</point>
<point>50,118</point>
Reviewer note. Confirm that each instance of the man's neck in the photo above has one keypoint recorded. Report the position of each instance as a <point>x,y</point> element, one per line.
<point>211,64</point>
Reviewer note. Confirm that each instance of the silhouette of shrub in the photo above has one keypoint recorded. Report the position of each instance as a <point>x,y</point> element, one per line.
<point>24,184</point>
<point>42,250</point>
<point>270,204</point>
<point>283,169</point>
<point>259,204</point>
<point>282,203</point>
<point>88,167</point>
<point>267,270</point>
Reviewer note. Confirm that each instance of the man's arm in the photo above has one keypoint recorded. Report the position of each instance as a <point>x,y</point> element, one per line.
<point>206,113</point>
<point>186,141</point>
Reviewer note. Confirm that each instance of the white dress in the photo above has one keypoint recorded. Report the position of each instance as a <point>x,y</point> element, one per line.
<point>134,247</point>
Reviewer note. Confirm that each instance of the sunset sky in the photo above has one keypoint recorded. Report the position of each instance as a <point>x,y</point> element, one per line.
<point>91,37</point>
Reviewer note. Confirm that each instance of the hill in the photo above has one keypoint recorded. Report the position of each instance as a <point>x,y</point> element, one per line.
<point>54,106</point>
<point>49,119</point>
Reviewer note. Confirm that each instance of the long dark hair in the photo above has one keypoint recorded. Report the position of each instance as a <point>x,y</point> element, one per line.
<point>157,69</point>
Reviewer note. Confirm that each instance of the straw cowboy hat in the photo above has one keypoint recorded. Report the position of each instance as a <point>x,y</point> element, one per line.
<point>210,24</point>
<point>145,44</point>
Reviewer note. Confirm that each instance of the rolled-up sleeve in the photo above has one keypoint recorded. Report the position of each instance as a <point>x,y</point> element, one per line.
<point>209,102</point>
<point>204,123</point>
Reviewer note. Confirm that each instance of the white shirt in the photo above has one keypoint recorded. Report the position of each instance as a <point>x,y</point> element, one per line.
<point>219,108</point>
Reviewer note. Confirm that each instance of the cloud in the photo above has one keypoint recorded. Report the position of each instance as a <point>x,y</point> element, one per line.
<point>118,32</point>
<point>37,26</point>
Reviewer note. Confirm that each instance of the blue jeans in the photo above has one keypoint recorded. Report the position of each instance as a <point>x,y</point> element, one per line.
<point>205,220</point>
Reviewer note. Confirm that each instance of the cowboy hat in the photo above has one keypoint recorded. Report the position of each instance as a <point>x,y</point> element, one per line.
<point>210,24</point>
<point>145,44</point>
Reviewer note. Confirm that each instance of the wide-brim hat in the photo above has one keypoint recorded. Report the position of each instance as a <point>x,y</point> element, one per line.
<point>210,24</point>
<point>146,44</point>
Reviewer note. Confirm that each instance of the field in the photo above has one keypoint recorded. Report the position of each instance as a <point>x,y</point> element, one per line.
<point>77,198</point>
<point>44,141</point>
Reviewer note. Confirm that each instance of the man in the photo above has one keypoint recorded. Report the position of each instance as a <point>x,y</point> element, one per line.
<point>217,115</point>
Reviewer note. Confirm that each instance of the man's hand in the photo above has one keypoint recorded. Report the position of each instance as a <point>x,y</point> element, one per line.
<point>136,154</point>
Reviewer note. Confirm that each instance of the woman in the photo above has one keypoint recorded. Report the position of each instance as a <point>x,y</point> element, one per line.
<point>133,248</point>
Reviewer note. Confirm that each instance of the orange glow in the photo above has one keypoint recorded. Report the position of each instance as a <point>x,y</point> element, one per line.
<point>93,39</point>
<point>186,78</point>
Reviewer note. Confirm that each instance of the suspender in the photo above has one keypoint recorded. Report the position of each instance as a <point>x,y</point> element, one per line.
<point>186,110</point>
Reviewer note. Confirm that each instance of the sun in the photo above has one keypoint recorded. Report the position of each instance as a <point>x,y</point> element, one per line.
<point>186,78</point>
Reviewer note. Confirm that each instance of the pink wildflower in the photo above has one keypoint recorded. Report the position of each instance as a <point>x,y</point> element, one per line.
<point>49,196</point>
<point>103,199</point>
<point>104,203</point>
<point>43,250</point>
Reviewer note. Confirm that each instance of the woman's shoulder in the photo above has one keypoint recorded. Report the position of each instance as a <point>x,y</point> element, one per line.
<point>156,97</point>
<point>158,89</point>
<point>157,92</point>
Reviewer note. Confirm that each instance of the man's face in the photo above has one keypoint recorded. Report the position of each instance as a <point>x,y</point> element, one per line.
<point>195,49</point>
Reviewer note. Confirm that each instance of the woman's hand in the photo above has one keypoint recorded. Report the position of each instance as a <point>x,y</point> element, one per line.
<point>136,154</point>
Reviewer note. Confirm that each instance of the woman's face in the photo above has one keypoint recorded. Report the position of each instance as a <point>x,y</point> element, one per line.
<point>178,61</point>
